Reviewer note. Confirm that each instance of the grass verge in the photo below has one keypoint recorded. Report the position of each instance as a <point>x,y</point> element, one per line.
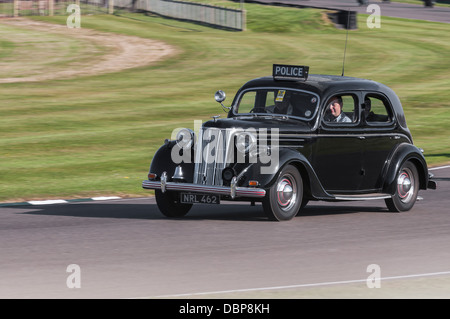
<point>96,135</point>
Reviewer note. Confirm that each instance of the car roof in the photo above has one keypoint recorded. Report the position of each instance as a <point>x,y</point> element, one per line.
<point>328,85</point>
<point>320,83</point>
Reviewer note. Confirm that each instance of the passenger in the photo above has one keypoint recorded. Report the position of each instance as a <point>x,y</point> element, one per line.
<point>370,116</point>
<point>337,115</point>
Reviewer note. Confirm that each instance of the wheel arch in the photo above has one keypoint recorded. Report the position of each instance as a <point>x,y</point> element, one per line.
<point>300,166</point>
<point>405,152</point>
<point>423,176</point>
<point>162,161</point>
<point>311,183</point>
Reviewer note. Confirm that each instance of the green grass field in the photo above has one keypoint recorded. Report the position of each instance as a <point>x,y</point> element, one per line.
<point>96,135</point>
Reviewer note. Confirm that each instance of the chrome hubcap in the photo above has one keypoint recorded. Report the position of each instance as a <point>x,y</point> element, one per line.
<point>405,185</point>
<point>286,192</point>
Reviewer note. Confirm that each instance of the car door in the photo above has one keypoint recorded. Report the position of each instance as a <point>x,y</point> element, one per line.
<point>338,153</point>
<point>380,138</point>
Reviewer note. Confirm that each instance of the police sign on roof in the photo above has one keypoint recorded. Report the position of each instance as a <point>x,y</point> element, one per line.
<point>290,72</point>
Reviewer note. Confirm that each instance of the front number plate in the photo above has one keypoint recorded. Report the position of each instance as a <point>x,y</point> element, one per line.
<point>187,198</point>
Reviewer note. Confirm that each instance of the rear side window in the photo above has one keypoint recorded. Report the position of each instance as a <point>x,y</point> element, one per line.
<point>376,110</point>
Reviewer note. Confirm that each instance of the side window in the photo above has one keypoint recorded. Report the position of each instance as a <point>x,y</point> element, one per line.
<point>376,110</point>
<point>341,110</point>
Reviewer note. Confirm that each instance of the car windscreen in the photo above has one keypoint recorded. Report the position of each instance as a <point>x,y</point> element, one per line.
<point>282,101</point>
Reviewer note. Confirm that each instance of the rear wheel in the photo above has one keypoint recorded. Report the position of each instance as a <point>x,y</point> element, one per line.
<point>169,206</point>
<point>284,198</point>
<point>407,188</point>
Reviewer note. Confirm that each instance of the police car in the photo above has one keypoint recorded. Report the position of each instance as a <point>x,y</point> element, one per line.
<point>291,138</point>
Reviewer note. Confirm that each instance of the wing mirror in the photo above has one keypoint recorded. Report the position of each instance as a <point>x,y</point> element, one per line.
<point>220,96</point>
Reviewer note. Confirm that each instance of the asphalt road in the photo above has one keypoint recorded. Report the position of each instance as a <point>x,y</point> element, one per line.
<point>126,249</point>
<point>392,9</point>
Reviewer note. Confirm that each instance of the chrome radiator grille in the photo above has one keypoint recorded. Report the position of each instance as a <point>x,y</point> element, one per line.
<point>210,157</point>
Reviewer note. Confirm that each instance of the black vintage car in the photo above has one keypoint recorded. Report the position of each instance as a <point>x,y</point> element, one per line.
<point>292,138</point>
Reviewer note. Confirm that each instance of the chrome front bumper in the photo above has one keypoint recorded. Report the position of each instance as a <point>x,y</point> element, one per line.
<point>232,191</point>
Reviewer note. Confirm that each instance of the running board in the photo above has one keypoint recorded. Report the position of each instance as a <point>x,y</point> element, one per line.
<point>362,196</point>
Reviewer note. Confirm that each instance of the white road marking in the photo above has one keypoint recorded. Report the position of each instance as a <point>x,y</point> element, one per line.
<point>47,202</point>
<point>302,285</point>
<point>105,197</point>
<point>440,167</point>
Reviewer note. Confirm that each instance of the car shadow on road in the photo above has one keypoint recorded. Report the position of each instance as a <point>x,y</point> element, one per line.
<point>149,211</point>
<point>327,209</point>
<point>144,211</point>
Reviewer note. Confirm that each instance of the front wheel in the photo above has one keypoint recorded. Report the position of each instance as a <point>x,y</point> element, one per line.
<point>407,188</point>
<point>169,206</point>
<point>284,198</point>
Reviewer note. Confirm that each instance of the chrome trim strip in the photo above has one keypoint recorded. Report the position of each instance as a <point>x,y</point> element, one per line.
<point>362,197</point>
<point>163,182</point>
<point>218,158</point>
<point>198,156</point>
<point>221,190</point>
<point>233,187</point>
<point>292,146</point>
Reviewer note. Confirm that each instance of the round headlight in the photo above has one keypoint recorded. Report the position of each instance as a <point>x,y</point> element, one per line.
<point>228,173</point>
<point>246,142</point>
<point>185,138</point>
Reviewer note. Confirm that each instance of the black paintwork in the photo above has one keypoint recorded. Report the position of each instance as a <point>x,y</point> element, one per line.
<point>350,159</point>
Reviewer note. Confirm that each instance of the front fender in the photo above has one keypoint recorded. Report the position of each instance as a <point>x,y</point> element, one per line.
<point>162,162</point>
<point>405,152</point>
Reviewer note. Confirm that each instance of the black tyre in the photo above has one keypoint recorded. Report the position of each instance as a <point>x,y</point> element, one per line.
<point>169,206</point>
<point>284,198</point>
<point>407,188</point>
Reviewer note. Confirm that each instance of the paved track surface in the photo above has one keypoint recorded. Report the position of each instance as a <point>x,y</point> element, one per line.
<point>393,9</point>
<point>126,249</point>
